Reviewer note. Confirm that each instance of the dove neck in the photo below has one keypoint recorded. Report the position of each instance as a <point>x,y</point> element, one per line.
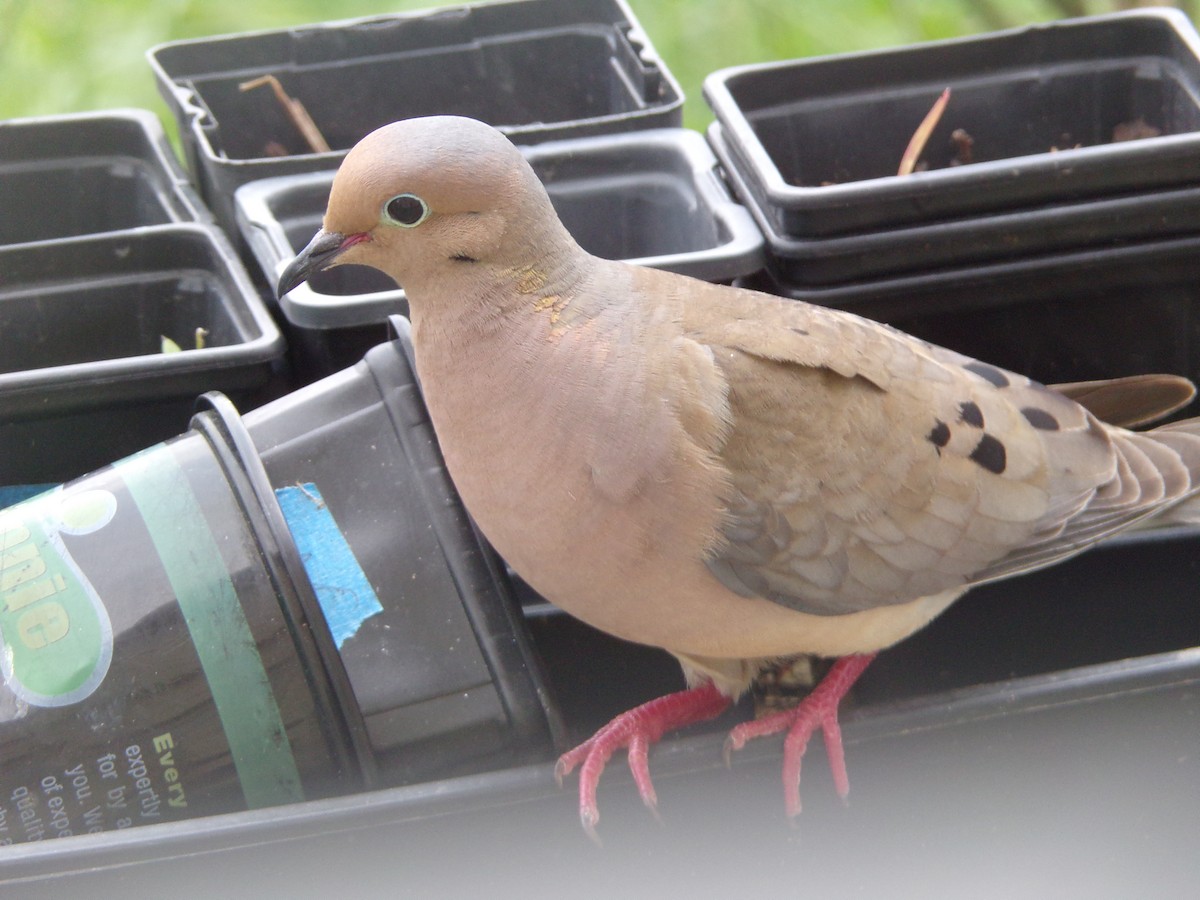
<point>487,296</point>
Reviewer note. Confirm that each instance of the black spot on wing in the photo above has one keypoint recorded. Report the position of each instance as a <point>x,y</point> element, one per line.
<point>989,453</point>
<point>988,373</point>
<point>939,435</point>
<point>970,413</point>
<point>1039,418</point>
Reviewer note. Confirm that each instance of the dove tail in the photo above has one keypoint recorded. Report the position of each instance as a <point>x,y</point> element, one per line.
<point>1183,438</point>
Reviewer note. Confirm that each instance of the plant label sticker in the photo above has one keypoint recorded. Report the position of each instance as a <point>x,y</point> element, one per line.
<point>56,639</point>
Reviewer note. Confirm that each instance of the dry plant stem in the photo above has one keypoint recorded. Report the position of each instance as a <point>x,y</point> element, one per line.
<point>921,136</point>
<point>295,111</point>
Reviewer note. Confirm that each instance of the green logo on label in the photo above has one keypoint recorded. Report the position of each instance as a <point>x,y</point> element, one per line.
<point>56,639</point>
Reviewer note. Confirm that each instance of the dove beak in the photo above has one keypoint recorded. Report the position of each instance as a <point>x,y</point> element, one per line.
<point>322,250</point>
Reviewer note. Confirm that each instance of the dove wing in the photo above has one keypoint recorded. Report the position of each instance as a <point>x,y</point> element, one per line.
<point>870,468</point>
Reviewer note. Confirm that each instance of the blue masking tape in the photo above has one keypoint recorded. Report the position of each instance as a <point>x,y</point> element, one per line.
<point>342,589</point>
<point>13,494</point>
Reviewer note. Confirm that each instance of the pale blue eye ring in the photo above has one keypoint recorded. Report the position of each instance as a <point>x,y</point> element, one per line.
<point>406,210</point>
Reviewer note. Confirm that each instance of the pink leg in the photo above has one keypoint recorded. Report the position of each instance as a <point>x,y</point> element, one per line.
<point>818,709</point>
<point>636,729</point>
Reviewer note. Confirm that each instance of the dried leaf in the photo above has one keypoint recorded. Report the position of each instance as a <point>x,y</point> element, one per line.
<point>921,136</point>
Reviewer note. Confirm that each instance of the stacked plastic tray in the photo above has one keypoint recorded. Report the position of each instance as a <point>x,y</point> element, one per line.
<point>107,251</point>
<point>536,69</point>
<point>577,79</point>
<point>1069,135</point>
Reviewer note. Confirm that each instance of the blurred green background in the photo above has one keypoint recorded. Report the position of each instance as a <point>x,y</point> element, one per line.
<point>66,55</point>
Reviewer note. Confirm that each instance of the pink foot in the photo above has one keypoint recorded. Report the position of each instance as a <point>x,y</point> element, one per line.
<point>818,709</point>
<point>636,729</point>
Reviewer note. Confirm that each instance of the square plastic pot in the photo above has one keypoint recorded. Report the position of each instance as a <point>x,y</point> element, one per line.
<point>89,173</point>
<point>1007,235</point>
<point>83,379</point>
<point>537,69</point>
<point>818,141</point>
<point>652,197</point>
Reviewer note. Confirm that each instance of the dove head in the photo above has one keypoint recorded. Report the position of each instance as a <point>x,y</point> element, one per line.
<point>427,200</point>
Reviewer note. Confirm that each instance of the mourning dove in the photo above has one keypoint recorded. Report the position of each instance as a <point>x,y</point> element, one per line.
<point>731,476</point>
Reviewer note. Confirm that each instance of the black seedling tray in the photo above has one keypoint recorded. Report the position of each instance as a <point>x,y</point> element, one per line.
<point>83,379</point>
<point>920,249</point>
<point>63,176</point>
<point>537,69</point>
<point>818,141</point>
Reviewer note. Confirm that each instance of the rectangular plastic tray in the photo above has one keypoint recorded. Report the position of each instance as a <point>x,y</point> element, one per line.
<point>537,69</point>
<point>88,173</point>
<point>1007,235</point>
<point>83,379</point>
<point>819,141</point>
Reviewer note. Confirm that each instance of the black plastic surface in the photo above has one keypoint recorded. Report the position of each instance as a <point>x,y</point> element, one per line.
<point>62,176</point>
<point>1082,784</point>
<point>444,674</point>
<point>538,69</point>
<point>924,248</point>
<point>819,141</point>
<point>1057,318</point>
<point>83,379</point>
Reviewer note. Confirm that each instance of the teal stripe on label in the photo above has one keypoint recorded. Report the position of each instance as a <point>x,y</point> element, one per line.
<point>262,753</point>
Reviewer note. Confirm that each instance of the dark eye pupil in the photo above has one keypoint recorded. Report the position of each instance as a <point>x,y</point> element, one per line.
<point>406,209</point>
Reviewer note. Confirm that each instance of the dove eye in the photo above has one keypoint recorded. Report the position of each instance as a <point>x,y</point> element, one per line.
<point>407,210</point>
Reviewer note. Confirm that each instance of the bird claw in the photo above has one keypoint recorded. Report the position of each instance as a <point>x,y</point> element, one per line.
<point>727,751</point>
<point>634,730</point>
<point>644,725</point>
<point>588,819</point>
<point>818,710</point>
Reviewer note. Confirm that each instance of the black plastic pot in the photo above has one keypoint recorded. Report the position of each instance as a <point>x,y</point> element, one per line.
<point>653,198</point>
<point>254,613</point>
<point>537,69</point>
<point>83,378</point>
<point>63,176</point>
<point>918,249</point>
<point>164,655</point>
<point>440,666</point>
<point>818,141</point>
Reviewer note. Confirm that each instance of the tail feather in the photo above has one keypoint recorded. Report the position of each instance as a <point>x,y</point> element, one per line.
<point>1183,440</point>
<point>1131,401</point>
<point>1156,483</point>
